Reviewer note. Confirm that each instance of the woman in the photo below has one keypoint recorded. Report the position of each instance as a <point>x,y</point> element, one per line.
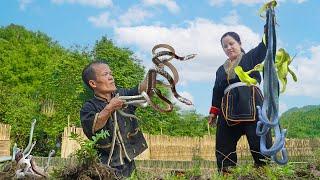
<point>234,103</point>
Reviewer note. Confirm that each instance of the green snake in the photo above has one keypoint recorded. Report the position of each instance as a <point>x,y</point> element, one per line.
<point>264,8</point>
<point>282,62</point>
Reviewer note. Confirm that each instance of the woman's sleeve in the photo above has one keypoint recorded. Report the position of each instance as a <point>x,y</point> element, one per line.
<point>257,54</point>
<point>217,94</point>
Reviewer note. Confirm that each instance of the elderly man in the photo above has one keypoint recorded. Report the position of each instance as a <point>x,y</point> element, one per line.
<point>126,141</point>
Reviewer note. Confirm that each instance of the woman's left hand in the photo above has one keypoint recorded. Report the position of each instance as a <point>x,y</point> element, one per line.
<point>212,120</point>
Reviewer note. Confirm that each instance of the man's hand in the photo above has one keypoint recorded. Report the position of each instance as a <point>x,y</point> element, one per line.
<point>115,103</point>
<point>102,118</point>
<point>212,120</point>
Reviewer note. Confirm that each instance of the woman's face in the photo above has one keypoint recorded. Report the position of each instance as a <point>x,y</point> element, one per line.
<point>231,47</point>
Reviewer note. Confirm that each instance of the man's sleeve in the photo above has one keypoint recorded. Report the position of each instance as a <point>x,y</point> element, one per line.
<point>128,92</point>
<point>88,117</point>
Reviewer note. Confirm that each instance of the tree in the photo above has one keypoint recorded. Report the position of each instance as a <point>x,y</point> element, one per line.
<point>39,79</point>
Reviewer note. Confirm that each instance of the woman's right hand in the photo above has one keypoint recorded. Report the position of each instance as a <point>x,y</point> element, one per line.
<point>212,120</point>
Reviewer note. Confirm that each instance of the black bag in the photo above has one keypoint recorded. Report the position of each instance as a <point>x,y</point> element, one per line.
<point>239,104</point>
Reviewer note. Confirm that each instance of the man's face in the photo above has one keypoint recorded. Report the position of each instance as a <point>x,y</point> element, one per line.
<point>104,82</point>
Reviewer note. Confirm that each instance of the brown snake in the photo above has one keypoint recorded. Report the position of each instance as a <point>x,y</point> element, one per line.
<point>160,60</point>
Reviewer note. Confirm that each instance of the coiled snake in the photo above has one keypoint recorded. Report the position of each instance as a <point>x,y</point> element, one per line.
<point>161,60</point>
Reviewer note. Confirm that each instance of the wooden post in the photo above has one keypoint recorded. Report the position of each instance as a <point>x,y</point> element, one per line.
<point>68,117</point>
<point>5,139</point>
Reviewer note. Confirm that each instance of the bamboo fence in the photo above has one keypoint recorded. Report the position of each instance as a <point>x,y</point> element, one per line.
<point>168,148</point>
<point>4,139</point>
<point>70,145</point>
<point>171,153</point>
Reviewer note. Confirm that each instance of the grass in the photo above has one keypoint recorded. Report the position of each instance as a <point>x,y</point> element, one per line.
<point>297,168</point>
